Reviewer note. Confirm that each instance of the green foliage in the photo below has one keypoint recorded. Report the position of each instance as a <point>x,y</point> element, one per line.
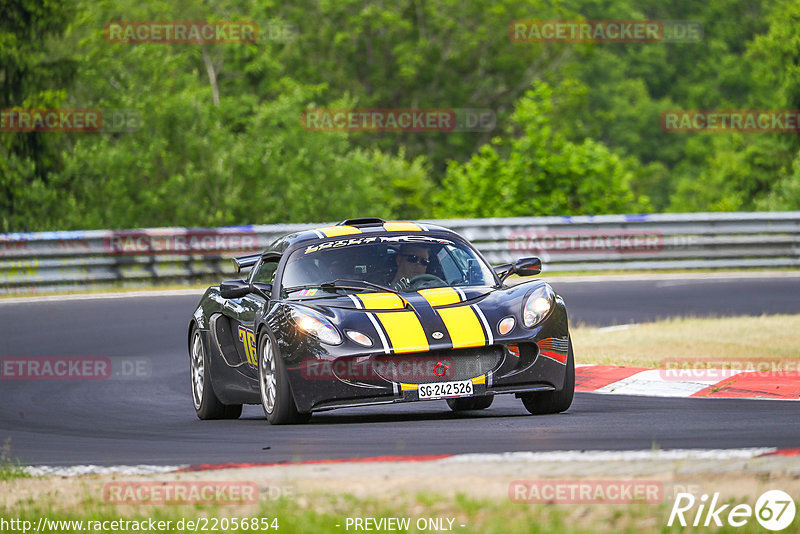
<point>751,171</point>
<point>537,171</point>
<point>221,141</point>
<point>190,169</point>
<point>785,195</point>
<point>411,54</point>
<point>32,74</point>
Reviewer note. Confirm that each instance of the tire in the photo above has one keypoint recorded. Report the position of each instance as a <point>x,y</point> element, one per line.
<point>273,383</point>
<point>549,402</point>
<point>470,403</point>
<point>206,403</point>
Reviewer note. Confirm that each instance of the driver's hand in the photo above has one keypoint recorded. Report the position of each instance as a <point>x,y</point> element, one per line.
<point>402,285</point>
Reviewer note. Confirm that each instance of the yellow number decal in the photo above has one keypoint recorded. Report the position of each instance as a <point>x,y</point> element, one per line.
<point>248,339</point>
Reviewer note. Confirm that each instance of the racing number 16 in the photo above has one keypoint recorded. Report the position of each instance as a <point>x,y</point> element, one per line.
<point>248,339</point>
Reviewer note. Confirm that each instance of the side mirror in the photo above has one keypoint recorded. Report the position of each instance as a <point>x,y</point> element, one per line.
<point>234,289</point>
<point>503,271</point>
<point>263,289</point>
<point>527,267</point>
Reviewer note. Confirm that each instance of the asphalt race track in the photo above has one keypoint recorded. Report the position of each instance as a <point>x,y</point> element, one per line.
<point>150,420</point>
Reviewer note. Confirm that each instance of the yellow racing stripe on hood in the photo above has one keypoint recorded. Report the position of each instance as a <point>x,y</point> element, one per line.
<point>404,330</point>
<point>463,326</point>
<point>401,227</point>
<point>381,301</point>
<point>440,296</point>
<point>333,231</point>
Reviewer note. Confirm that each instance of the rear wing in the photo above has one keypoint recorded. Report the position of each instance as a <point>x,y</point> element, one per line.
<point>243,262</point>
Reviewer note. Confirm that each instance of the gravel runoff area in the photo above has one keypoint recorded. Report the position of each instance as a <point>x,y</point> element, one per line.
<point>735,474</point>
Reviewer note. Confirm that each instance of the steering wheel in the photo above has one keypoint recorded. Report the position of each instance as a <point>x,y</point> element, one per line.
<point>422,281</point>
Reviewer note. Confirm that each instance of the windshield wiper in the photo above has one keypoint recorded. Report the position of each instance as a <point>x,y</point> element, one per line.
<point>357,284</point>
<point>286,290</point>
<point>334,285</point>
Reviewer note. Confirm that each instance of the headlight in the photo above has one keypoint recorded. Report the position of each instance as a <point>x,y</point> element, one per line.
<point>316,325</point>
<point>537,306</point>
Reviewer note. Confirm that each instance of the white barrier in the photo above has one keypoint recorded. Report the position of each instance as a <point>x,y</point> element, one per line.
<point>47,261</point>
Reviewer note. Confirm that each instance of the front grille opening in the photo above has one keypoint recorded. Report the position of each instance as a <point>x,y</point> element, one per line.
<point>438,366</point>
<point>528,352</point>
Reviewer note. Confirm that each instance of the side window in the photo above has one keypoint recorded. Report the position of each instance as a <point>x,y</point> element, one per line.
<point>449,267</point>
<point>265,272</point>
<point>460,256</point>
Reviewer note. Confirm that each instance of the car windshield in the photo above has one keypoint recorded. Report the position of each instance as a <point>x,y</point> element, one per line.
<point>400,263</point>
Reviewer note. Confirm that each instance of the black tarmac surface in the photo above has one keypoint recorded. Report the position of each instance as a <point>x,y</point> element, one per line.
<point>144,414</point>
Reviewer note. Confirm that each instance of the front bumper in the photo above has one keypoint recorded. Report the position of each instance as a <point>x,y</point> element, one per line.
<point>535,362</point>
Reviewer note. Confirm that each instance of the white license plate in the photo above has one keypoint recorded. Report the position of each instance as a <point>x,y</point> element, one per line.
<point>439,390</point>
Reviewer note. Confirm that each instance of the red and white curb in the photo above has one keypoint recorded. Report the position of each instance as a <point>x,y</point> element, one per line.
<point>714,383</point>
<point>522,456</point>
<point>79,470</point>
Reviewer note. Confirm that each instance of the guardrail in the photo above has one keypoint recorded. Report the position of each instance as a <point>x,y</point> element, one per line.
<point>48,261</point>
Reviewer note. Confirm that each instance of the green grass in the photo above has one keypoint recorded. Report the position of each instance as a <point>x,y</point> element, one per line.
<point>767,338</point>
<point>10,469</point>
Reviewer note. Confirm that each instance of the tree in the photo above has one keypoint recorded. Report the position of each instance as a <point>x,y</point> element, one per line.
<point>33,74</point>
<point>536,171</point>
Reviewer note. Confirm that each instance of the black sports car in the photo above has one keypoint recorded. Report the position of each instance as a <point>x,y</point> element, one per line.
<point>374,312</point>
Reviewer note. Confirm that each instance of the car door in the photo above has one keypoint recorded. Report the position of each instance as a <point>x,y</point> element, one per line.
<point>243,312</point>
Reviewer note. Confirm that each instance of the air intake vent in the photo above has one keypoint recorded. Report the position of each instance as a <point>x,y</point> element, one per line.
<point>364,221</point>
<point>436,365</point>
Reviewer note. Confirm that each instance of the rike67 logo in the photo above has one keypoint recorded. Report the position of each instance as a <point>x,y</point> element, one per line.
<point>774,510</point>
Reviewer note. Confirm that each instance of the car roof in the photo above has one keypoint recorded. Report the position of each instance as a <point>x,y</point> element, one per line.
<point>352,228</point>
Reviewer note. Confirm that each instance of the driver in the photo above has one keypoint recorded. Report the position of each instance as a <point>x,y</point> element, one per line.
<point>412,260</point>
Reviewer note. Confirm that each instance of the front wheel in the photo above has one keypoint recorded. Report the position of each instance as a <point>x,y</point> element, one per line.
<point>547,402</point>
<point>276,395</point>
<point>206,403</point>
